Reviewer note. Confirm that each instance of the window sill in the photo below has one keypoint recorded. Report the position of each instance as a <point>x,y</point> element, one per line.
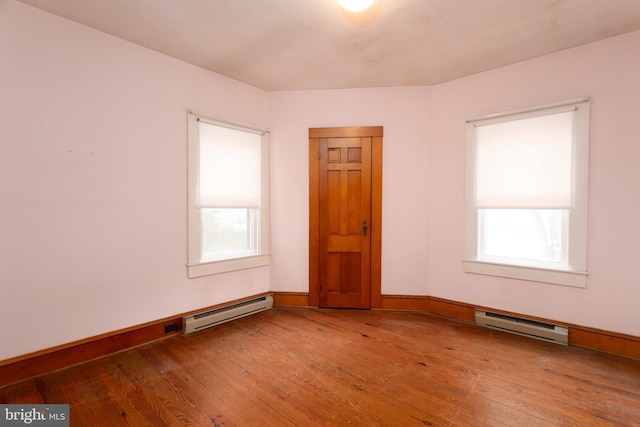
<point>577,279</point>
<point>227,265</point>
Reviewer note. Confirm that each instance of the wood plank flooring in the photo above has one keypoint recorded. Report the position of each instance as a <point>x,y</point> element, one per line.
<point>306,367</point>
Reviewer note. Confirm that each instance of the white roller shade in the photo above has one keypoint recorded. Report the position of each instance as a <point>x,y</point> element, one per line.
<point>229,167</point>
<point>525,163</point>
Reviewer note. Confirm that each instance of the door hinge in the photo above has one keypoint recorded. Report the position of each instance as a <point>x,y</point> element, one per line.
<point>319,286</point>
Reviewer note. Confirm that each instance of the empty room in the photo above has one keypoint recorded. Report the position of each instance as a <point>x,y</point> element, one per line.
<point>280,212</point>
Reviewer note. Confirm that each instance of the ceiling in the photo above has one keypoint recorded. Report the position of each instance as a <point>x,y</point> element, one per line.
<point>315,44</point>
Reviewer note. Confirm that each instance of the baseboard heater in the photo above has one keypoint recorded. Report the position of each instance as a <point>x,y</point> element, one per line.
<point>220,315</point>
<point>529,328</point>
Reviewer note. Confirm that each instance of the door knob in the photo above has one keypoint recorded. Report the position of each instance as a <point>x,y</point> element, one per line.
<point>365,227</point>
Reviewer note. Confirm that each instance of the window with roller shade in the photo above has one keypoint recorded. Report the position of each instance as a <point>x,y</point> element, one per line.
<point>526,194</point>
<point>228,196</point>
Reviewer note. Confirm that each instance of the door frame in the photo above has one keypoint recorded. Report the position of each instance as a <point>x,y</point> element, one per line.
<point>315,134</point>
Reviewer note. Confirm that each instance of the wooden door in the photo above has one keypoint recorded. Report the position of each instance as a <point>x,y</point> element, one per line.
<point>343,221</point>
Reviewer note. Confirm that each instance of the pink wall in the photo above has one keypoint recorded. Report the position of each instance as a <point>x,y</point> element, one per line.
<point>93,181</point>
<point>404,113</point>
<point>423,200</point>
<point>607,72</point>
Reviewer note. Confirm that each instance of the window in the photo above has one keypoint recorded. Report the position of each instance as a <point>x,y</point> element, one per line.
<point>526,194</point>
<point>228,196</point>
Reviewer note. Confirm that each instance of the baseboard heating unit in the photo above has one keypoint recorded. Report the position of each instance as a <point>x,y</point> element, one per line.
<point>220,315</point>
<point>529,328</point>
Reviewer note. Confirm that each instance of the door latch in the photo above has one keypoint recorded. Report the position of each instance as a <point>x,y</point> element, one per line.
<point>365,228</point>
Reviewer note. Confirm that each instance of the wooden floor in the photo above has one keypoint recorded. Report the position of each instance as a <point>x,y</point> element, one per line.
<point>300,367</point>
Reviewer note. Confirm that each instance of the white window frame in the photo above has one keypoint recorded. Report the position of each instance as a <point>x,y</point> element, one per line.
<point>196,266</point>
<point>576,272</point>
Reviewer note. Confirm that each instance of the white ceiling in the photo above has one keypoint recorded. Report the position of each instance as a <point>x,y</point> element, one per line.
<point>314,44</point>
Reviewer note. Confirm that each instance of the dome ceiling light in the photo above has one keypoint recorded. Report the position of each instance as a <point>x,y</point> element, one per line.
<point>356,5</point>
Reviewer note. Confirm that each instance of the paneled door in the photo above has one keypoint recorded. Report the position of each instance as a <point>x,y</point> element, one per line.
<point>344,231</point>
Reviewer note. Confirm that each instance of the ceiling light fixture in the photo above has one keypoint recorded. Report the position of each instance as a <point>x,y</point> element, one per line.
<point>356,5</point>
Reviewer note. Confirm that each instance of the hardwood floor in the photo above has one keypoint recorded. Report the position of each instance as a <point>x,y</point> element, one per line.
<point>299,367</point>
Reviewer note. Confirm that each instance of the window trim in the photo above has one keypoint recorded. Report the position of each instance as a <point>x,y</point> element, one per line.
<point>195,266</point>
<point>534,274</point>
<point>575,274</point>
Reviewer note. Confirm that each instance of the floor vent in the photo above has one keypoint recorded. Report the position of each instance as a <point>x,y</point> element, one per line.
<point>215,317</point>
<point>529,328</point>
